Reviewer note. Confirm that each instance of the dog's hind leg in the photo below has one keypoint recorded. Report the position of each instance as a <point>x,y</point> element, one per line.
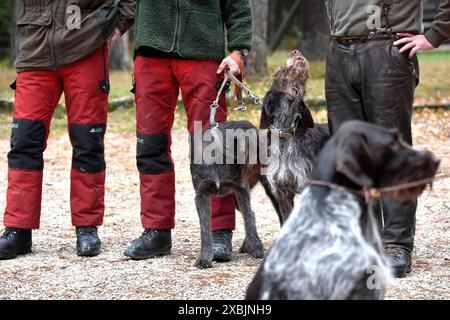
<point>252,243</point>
<point>203,205</point>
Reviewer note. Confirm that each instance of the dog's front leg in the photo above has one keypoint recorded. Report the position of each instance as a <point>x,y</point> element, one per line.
<point>252,243</point>
<point>269,192</point>
<point>203,204</point>
<point>286,202</point>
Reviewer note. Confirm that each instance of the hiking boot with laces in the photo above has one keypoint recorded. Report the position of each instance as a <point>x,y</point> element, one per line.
<point>221,245</point>
<point>88,242</point>
<point>399,260</point>
<point>150,244</point>
<point>15,242</point>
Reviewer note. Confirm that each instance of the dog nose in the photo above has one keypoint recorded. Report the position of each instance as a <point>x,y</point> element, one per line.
<point>435,160</point>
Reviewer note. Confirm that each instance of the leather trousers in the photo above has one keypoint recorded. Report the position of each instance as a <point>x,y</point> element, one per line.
<point>373,82</point>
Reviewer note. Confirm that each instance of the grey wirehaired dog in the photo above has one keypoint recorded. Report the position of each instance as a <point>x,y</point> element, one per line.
<point>330,247</point>
<point>284,112</point>
<point>221,166</point>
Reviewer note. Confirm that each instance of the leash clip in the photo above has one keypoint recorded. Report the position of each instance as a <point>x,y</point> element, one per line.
<point>212,119</point>
<point>240,107</point>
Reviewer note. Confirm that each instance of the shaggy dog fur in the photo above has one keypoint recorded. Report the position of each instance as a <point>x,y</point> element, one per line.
<point>230,177</point>
<point>291,159</point>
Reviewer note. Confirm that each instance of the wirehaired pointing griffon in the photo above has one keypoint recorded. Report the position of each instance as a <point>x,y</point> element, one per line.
<point>330,247</point>
<point>226,164</point>
<point>300,140</point>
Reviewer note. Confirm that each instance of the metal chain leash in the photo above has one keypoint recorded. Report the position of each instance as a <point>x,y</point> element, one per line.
<point>256,100</point>
<point>240,106</point>
<point>215,104</point>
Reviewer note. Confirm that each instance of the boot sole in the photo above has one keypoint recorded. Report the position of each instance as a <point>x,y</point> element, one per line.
<point>401,273</point>
<point>148,255</point>
<point>88,253</point>
<point>9,256</point>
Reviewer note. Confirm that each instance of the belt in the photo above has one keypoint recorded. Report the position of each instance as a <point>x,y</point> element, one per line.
<point>370,37</point>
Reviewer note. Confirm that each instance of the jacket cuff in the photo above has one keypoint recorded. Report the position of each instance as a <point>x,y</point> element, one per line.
<point>435,38</point>
<point>239,48</point>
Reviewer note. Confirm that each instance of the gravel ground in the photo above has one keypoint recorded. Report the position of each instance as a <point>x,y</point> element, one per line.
<point>53,271</point>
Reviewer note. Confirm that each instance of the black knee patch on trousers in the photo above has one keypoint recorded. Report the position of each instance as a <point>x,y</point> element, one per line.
<point>27,145</point>
<point>152,154</point>
<point>88,147</point>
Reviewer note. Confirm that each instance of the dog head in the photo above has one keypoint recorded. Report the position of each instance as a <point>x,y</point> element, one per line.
<point>284,107</point>
<point>367,155</point>
<point>294,74</point>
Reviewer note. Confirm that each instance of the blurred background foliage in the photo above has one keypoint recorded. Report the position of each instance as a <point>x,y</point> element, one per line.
<point>280,26</point>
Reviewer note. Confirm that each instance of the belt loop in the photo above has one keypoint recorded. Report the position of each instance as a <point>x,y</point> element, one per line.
<point>387,5</point>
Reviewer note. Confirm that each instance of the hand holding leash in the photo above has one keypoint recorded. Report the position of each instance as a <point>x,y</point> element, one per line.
<point>114,37</point>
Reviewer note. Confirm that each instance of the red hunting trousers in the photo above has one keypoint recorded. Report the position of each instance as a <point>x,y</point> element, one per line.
<point>37,95</point>
<point>158,82</point>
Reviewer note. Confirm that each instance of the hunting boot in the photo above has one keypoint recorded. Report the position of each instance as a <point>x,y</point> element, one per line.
<point>221,245</point>
<point>150,244</point>
<point>398,234</point>
<point>15,242</point>
<point>88,242</point>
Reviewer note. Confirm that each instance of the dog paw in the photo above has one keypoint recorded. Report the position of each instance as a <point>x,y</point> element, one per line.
<point>254,249</point>
<point>203,263</point>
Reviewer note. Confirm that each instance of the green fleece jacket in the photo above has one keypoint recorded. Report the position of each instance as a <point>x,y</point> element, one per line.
<point>194,29</point>
<point>354,18</point>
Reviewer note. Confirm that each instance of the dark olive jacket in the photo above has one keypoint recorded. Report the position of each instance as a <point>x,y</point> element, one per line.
<point>55,33</point>
<point>354,18</point>
<point>195,29</point>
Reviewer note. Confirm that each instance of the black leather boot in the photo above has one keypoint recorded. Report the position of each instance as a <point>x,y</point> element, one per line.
<point>150,244</point>
<point>221,245</point>
<point>398,233</point>
<point>15,242</point>
<point>88,242</point>
<point>399,260</point>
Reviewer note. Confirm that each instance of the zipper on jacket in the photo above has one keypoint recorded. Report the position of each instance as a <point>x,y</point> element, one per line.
<point>52,41</point>
<point>177,29</point>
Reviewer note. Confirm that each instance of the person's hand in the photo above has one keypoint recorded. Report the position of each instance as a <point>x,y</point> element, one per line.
<point>413,43</point>
<point>232,64</point>
<point>114,37</point>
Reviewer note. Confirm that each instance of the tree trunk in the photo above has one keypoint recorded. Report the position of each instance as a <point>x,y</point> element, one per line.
<point>285,24</point>
<point>119,58</point>
<point>257,61</point>
<point>314,29</point>
<point>276,11</point>
<point>12,34</point>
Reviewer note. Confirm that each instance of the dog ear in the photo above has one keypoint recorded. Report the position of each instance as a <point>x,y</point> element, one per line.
<point>354,161</point>
<point>264,122</point>
<point>307,118</point>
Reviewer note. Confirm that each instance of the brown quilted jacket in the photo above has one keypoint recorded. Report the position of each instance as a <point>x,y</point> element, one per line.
<point>55,33</point>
